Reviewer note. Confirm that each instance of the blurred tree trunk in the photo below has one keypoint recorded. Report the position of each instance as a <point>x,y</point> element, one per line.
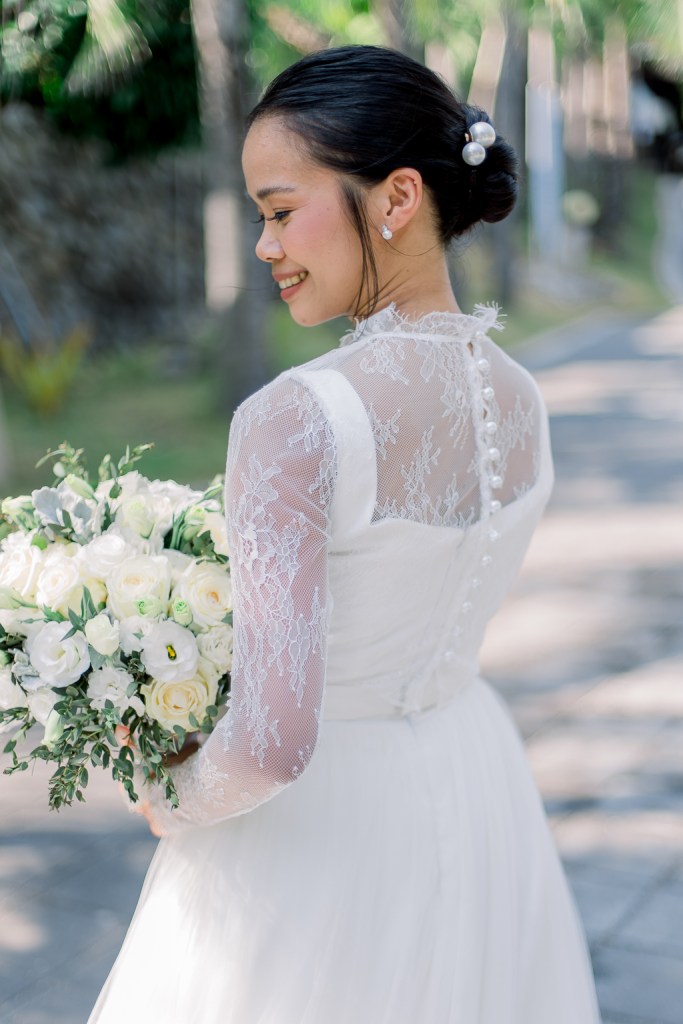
<point>511,118</point>
<point>394,18</point>
<point>235,300</point>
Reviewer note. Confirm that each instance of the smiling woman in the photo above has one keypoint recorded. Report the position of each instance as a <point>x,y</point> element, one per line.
<point>360,840</point>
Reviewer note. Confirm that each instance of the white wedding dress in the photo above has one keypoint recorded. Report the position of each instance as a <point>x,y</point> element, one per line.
<point>361,840</point>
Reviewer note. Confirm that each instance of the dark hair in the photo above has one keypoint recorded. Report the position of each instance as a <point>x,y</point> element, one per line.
<point>366,110</point>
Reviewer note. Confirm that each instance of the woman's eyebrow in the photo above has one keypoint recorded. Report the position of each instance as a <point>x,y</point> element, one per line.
<point>268,190</point>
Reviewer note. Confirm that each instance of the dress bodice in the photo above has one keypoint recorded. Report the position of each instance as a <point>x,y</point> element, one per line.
<point>379,500</point>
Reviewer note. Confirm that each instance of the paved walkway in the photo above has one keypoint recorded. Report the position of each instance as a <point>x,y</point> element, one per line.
<point>589,652</point>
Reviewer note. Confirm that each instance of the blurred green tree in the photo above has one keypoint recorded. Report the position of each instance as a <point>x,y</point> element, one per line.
<point>119,70</point>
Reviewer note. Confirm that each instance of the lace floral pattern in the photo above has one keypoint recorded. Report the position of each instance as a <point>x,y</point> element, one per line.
<point>456,431</point>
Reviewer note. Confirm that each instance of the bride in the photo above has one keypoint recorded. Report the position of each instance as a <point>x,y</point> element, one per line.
<point>360,841</point>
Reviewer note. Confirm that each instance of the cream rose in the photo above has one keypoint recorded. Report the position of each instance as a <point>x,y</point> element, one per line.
<point>169,652</point>
<point>137,578</point>
<point>215,523</point>
<point>108,683</point>
<point>207,589</point>
<point>103,634</point>
<point>59,660</point>
<point>172,704</point>
<point>20,565</point>
<point>216,646</point>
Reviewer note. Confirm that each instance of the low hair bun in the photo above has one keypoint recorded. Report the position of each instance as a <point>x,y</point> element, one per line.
<point>489,191</point>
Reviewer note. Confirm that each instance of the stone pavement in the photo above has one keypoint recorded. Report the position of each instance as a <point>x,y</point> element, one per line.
<point>588,651</point>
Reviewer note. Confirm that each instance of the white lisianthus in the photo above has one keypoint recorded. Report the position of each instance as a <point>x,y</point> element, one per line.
<point>9,598</point>
<point>59,660</point>
<point>108,683</point>
<point>216,646</point>
<point>58,580</point>
<point>17,508</point>
<point>151,607</point>
<point>207,589</point>
<point>169,652</point>
<point>20,565</point>
<point>133,630</point>
<point>137,578</point>
<point>181,612</point>
<point>172,704</point>
<point>20,621</point>
<point>41,703</point>
<point>54,729</point>
<point>215,523</point>
<point>103,634</point>
<point>138,514</point>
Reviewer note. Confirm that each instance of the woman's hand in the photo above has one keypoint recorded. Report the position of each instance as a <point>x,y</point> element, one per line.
<point>144,807</point>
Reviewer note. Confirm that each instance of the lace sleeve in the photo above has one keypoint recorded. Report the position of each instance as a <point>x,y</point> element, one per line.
<point>279,481</point>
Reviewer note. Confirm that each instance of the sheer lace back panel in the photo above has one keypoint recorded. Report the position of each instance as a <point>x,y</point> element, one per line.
<point>453,418</point>
<point>379,501</point>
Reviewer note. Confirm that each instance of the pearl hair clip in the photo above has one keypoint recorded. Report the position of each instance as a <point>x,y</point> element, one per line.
<point>480,136</point>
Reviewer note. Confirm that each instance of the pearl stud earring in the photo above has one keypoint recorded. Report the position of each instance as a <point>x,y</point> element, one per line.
<point>387,233</point>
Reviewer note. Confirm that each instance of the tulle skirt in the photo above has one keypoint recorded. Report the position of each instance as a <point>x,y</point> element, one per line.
<point>408,877</point>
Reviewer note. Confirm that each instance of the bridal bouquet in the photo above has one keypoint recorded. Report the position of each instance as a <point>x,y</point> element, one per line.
<point>115,611</point>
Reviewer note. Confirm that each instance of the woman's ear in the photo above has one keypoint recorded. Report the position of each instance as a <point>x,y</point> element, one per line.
<point>398,198</point>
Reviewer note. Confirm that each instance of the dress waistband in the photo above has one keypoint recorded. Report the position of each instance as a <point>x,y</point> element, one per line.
<point>352,701</point>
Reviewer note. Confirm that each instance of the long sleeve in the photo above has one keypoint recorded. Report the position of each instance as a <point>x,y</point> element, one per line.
<point>279,482</point>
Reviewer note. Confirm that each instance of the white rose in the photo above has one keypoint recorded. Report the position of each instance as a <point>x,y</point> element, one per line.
<point>41,703</point>
<point>169,652</point>
<point>172,704</point>
<point>20,565</point>
<point>207,589</point>
<point>108,683</point>
<point>103,634</point>
<point>216,646</point>
<point>59,660</point>
<point>178,562</point>
<point>215,523</point>
<point>137,578</point>
<point>133,631</point>
<point>59,578</point>
<point>96,588</point>
<point>102,555</point>
<point>11,695</point>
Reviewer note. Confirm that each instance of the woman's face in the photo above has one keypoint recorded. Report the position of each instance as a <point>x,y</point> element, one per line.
<point>305,228</point>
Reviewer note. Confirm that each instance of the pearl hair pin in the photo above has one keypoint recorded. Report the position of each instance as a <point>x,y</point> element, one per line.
<point>480,136</point>
<point>387,233</point>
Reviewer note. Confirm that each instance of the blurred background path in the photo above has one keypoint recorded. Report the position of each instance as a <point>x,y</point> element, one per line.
<point>589,653</point>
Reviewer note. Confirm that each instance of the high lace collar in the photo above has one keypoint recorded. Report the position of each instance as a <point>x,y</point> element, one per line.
<point>442,325</point>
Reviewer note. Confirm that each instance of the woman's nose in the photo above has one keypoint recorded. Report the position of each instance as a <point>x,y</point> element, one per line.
<point>268,247</point>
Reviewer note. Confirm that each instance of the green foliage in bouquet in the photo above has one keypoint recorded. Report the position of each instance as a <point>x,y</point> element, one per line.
<point>66,665</point>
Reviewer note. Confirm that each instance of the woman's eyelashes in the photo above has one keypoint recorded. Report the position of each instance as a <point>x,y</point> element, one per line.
<point>279,217</point>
